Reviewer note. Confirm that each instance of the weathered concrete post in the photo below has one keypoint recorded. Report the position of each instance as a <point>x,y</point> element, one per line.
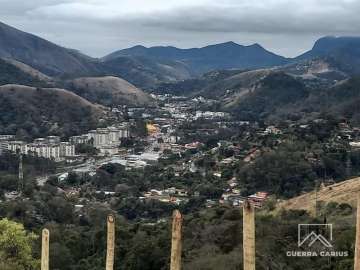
<point>110,252</point>
<point>176,241</point>
<point>45,249</point>
<point>357,244</point>
<point>249,236</point>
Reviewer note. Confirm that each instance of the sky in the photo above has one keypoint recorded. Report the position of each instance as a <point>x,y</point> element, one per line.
<point>98,27</point>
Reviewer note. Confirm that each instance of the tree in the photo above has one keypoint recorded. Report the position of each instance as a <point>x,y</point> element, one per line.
<point>16,247</point>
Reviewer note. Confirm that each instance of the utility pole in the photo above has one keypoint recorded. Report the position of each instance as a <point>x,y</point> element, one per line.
<point>110,252</point>
<point>357,244</point>
<point>176,239</point>
<point>248,236</point>
<point>45,249</point>
<point>21,174</point>
<point>316,198</point>
<point>348,164</point>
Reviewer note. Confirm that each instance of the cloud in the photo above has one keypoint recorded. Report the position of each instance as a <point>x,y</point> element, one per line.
<point>262,16</point>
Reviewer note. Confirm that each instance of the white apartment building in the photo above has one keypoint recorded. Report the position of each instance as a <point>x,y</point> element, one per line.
<point>7,137</point>
<point>100,137</point>
<point>67,149</point>
<point>53,139</point>
<point>42,148</point>
<point>17,147</point>
<point>108,136</point>
<point>50,151</point>
<point>109,150</point>
<point>4,142</point>
<point>3,146</point>
<point>82,139</point>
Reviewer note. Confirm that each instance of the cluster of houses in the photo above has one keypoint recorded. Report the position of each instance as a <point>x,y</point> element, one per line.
<point>210,115</point>
<point>234,198</point>
<point>169,195</point>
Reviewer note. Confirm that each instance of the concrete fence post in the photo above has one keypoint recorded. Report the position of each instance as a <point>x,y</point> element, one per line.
<point>248,236</point>
<point>45,249</point>
<point>176,239</point>
<point>110,251</point>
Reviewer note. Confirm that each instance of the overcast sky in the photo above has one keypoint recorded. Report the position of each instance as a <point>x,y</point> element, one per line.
<point>98,27</point>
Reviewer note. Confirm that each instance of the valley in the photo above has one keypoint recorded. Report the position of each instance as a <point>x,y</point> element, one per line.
<point>145,131</point>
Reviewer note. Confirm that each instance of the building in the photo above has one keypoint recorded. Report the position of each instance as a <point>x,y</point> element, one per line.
<point>82,139</point>
<point>53,139</point>
<point>272,130</point>
<point>7,137</point>
<point>49,148</point>
<point>49,151</point>
<point>4,142</point>
<point>109,150</point>
<point>108,136</point>
<point>210,115</point>
<point>67,149</point>
<point>3,146</point>
<point>17,147</point>
<point>100,137</point>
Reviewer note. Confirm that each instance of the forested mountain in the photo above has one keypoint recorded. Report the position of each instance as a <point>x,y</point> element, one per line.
<point>109,91</point>
<point>227,55</point>
<point>42,54</point>
<point>54,60</point>
<point>145,72</point>
<point>36,112</point>
<point>328,45</point>
<point>331,57</point>
<point>280,97</point>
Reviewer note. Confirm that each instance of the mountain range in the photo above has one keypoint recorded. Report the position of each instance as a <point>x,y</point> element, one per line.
<point>147,67</point>
<point>247,80</point>
<point>199,60</point>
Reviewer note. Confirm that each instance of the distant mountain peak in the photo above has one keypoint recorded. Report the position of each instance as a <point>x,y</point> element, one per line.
<point>227,55</point>
<point>330,44</point>
<point>256,45</point>
<point>41,54</point>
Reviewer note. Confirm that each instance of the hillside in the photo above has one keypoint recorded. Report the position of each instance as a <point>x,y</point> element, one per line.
<point>273,92</point>
<point>109,91</point>
<point>305,89</point>
<point>144,72</point>
<point>36,112</point>
<point>340,53</point>
<point>340,100</point>
<point>29,70</point>
<point>15,72</point>
<point>227,55</point>
<point>280,96</point>
<point>254,94</point>
<point>41,54</point>
<point>327,45</point>
<point>343,192</point>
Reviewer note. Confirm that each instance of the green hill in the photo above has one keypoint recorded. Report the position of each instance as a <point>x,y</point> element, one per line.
<point>36,112</point>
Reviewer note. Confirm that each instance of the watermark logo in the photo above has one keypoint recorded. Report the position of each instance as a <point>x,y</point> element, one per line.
<point>315,240</point>
<point>310,234</point>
